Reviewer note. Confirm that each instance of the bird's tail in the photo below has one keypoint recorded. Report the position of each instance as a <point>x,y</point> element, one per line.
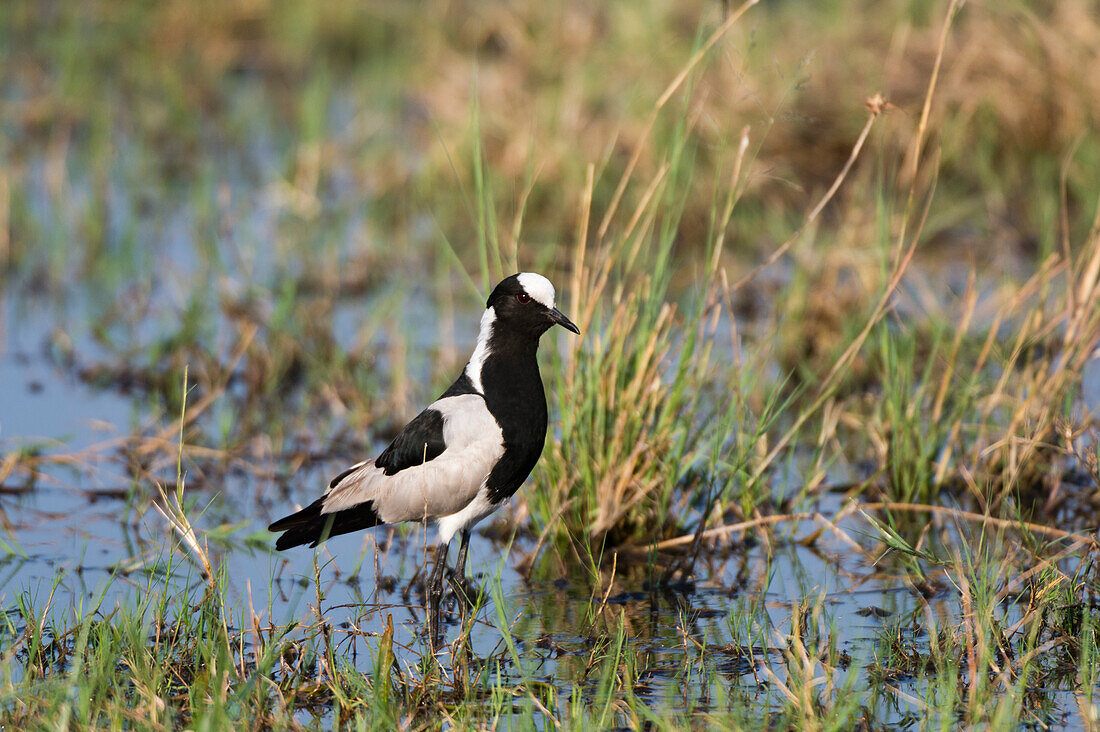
<point>310,526</point>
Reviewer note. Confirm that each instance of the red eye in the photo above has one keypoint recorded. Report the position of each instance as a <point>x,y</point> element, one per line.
<point>523,297</point>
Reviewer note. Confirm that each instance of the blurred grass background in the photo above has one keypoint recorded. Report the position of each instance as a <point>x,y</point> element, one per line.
<point>286,196</point>
<point>381,115</point>
<point>303,205</point>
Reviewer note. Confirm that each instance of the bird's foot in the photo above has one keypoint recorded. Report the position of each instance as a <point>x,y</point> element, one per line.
<point>465,590</point>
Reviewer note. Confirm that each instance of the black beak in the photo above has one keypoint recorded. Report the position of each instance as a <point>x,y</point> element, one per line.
<point>558,317</point>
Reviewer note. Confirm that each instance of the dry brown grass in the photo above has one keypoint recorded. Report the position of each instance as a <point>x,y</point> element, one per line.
<point>543,87</point>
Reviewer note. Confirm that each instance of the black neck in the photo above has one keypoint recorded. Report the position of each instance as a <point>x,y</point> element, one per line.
<point>513,391</point>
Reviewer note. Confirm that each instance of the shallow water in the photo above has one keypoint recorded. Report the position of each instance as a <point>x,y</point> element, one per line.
<point>90,527</point>
<point>83,527</point>
<point>739,607</point>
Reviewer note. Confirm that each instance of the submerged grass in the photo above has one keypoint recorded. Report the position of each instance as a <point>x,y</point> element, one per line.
<point>710,415</point>
<point>992,645</point>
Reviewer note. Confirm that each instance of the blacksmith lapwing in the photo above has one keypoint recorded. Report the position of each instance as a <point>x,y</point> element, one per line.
<point>462,457</point>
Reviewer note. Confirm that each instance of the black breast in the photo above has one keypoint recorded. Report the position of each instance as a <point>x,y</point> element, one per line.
<point>514,395</point>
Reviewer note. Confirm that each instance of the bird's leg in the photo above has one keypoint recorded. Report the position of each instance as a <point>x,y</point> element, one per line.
<point>434,593</point>
<point>464,590</point>
<point>463,547</point>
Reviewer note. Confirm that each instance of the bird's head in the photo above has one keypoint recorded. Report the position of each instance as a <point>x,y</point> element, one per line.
<point>525,302</point>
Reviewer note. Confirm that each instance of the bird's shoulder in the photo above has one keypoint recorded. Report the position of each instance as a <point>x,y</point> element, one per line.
<point>427,435</point>
<point>461,386</point>
<point>418,442</point>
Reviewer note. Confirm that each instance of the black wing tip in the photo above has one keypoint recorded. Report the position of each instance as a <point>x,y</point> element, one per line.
<point>310,526</point>
<point>299,527</point>
<point>282,524</point>
<point>293,538</point>
<point>297,535</point>
<point>306,516</point>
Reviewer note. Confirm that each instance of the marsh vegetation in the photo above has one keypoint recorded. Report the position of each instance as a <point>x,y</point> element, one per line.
<point>825,458</point>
